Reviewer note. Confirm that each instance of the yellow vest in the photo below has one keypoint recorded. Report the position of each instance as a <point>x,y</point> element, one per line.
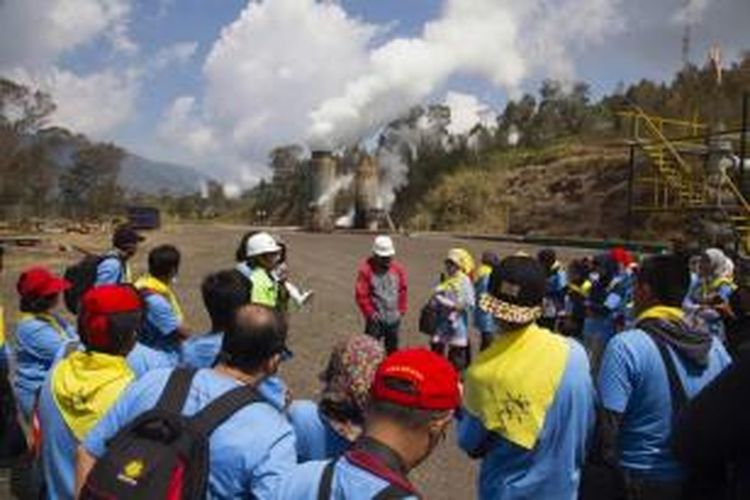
<point>148,282</point>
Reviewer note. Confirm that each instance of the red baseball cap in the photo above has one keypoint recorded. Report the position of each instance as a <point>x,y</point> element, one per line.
<point>108,312</point>
<point>417,378</point>
<point>40,282</point>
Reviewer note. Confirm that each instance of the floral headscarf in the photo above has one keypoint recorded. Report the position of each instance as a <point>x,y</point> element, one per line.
<point>350,372</point>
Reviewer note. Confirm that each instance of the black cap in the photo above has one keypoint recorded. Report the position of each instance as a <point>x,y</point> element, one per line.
<point>126,236</point>
<point>516,290</point>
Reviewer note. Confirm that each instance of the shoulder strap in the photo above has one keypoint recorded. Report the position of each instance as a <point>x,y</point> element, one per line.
<point>676,390</point>
<point>223,407</point>
<point>326,481</point>
<point>176,391</point>
<point>392,492</point>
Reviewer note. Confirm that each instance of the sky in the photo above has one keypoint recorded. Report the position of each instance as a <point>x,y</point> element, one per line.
<point>216,84</point>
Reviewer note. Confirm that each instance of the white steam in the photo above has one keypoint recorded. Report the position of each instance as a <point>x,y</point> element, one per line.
<point>503,41</point>
<point>692,12</point>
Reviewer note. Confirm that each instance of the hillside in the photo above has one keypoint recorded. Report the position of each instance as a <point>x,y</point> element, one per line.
<point>563,190</point>
<point>144,176</point>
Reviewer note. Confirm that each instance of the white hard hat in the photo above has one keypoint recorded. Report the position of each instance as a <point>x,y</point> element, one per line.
<point>261,243</point>
<point>383,246</point>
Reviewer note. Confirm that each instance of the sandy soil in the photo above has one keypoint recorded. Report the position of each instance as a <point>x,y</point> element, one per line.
<point>325,263</point>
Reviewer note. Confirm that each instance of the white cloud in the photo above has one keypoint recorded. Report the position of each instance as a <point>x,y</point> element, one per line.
<point>94,104</point>
<point>503,41</point>
<point>268,69</point>
<point>303,70</point>
<point>35,32</point>
<point>178,53</point>
<point>467,111</point>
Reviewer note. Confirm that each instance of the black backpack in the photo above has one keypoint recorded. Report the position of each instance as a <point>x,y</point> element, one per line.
<point>428,318</point>
<point>82,277</point>
<point>163,454</point>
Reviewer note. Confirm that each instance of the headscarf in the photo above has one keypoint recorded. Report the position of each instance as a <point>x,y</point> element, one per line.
<point>348,377</point>
<point>463,259</point>
<point>721,266</point>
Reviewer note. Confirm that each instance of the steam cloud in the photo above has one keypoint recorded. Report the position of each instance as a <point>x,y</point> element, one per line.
<point>503,41</point>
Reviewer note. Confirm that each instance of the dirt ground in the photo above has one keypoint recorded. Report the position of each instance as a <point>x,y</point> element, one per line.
<point>322,262</point>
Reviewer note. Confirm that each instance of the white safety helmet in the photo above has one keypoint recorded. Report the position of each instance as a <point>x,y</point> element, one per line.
<point>260,244</point>
<point>383,246</point>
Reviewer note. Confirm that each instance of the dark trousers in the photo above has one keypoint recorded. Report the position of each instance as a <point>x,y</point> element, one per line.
<point>459,357</point>
<point>387,332</point>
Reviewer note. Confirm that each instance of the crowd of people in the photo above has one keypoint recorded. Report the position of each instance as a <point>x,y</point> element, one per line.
<point>604,377</point>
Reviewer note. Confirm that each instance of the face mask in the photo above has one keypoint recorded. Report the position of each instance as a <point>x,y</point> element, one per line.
<point>594,277</point>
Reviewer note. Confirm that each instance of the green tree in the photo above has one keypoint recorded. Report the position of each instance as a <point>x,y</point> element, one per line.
<point>90,186</point>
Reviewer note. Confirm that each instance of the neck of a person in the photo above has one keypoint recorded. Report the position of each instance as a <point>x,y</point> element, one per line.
<point>164,279</point>
<point>398,439</point>
<point>252,379</point>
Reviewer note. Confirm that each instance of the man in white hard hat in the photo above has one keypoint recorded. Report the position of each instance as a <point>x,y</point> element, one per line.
<point>381,292</point>
<point>263,253</point>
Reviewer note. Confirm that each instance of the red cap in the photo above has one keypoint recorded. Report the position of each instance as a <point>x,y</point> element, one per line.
<point>417,378</point>
<point>40,282</point>
<point>104,314</point>
<point>621,256</point>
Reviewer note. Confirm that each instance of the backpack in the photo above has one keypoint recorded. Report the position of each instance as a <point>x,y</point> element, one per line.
<point>82,277</point>
<point>428,318</point>
<point>163,454</point>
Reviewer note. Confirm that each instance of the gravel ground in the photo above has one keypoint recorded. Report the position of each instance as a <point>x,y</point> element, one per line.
<point>323,262</point>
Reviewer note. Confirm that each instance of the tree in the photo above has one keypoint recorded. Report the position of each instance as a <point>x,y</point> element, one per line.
<point>90,186</point>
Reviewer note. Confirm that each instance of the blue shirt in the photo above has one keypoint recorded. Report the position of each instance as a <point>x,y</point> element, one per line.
<point>159,327</point>
<point>36,346</point>
<point>349,482</point>
<point>316,439</point>
<point>58,442</point>
<point>110,271</point>
<point>200,351</point>
<point>555,292</point>
<point>552,470</point>
<point>633,381</point>
<point>249,452</point>
<point>483,321</point>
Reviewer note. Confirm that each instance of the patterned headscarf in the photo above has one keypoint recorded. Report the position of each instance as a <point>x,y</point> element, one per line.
<point>350,372</point>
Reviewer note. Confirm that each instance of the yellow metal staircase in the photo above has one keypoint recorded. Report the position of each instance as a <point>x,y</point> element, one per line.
<point>675,183</point>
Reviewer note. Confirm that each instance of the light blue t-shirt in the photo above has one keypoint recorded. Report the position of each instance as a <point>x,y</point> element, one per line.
<point>58,442</point>
<point>37,344</point>
<point>349,482</point>
<point>633,381</point>
<point>159,328</point>
<point>483,321</point>
<point>249,453</point>
<point>552,470</point>
<point>200,351</point>
<point>110,271</point>
<point>316,439</point>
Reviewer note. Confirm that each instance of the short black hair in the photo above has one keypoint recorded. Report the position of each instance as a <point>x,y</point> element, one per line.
<point>668,277</point>
<point>546,257</point>
<point>37,305</point>
<point>255,334</point>
<point>411,418</point>
<point>163,260</point>
<point>223,293</point>
<point>240,255</point>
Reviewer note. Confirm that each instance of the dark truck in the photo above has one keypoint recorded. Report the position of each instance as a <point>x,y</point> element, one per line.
<point>142,217</point>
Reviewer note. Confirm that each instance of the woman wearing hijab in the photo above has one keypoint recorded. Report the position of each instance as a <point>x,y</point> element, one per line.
<point>327,429</point>
<point>454,301</point>
<point>710,298</point>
